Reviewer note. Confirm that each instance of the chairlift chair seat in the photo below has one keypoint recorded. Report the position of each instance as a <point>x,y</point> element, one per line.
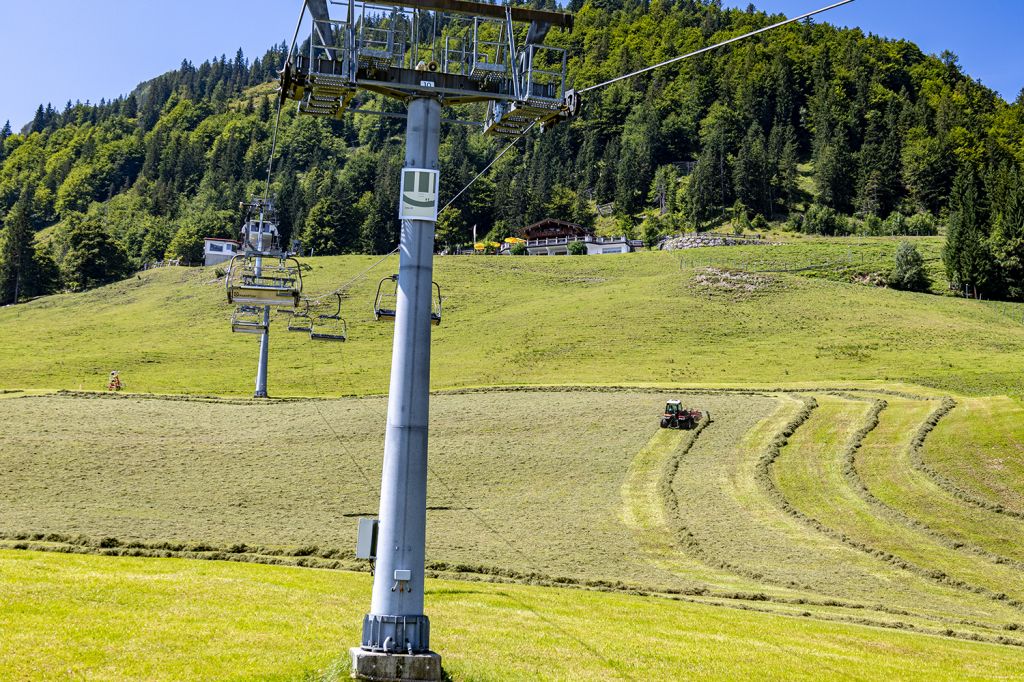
<point>385,306</point>
<point>248,319</point>
<point>330,326</point>
<point>277,284</point>
<point>300,320</point>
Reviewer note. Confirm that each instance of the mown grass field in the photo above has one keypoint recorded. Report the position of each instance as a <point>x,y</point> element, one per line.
<point>275,476</point>
<point>590,494</point>
<point>160,619</point>
<point>853,509</point>
<point>607,320</point>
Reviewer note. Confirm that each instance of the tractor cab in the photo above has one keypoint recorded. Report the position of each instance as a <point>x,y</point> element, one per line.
<point>678,417</point>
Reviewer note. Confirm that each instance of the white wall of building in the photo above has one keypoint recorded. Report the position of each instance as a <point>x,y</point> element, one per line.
<point>218,251</point>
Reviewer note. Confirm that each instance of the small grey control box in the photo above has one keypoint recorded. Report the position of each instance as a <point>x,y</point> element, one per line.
<point>403,575</point>
<point>366,541</point>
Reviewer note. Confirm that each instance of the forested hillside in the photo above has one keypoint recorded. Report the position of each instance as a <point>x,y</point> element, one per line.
<point>827,131</point>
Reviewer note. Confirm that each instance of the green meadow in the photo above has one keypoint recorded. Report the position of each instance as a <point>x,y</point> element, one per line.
<point>649,318</point>
<point>853,508</point>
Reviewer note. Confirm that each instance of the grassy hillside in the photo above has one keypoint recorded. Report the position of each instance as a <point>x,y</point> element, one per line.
<point>835,522</point>
<point>649,318</point>
<point>854,504</point>
<point>247,615</point>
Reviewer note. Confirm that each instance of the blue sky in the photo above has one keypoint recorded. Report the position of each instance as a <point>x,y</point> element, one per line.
<point>94,50</point>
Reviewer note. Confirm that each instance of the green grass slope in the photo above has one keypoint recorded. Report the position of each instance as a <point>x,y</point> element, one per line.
<point>599,320</point>
<point>852,509</point>
<point>159,619</point>
<point>575,487</point>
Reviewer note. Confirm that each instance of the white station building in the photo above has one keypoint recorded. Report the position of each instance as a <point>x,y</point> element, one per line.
<point>218,250</point>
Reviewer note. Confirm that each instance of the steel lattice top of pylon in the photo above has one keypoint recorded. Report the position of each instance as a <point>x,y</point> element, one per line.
<point>455,50</point>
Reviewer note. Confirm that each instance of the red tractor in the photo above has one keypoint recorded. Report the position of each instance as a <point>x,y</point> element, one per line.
<point>678,417</point>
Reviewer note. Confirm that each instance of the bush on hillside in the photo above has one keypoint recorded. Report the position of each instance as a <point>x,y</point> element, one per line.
<point>92,256</point>
<point>518,249</point>
<point>759,222</point>
<point>187,245</point>
<point>577,248</point>
<point>922,225</point>
<point>873,226</point>
<point>895,225</point>
<point>740,219</point>
<point>899,225</point>
<point>825,221</point>
<point>909,274</point>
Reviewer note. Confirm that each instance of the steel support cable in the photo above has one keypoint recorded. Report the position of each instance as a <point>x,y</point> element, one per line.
<point>715,47</point>
<point>298,27</point>
<point>488,166</point>
<point>273,150</point>
<point>280,100</point>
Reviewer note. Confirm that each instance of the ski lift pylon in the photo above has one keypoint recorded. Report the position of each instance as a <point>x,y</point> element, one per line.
<point>385,306</point>
<point>330,326</point>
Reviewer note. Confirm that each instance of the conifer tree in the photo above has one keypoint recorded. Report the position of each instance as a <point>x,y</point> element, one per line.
<point>1008,238</point>
<point>751,173</point>
<point>23,272</point>
<point>5,133</point>
<point>966,254</point>
<point>93,257</point>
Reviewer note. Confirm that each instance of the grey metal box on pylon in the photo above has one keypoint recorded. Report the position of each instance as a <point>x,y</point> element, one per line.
<point>366,541</point>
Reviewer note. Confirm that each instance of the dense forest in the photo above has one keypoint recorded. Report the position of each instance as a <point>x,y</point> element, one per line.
<point>813,128</point>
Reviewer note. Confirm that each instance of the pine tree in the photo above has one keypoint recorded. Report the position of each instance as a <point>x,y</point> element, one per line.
<point>265,111</point>
<point>715,177</point>
<point>23,272</point>
<point>908,274</point>
<point>785,157</point>
<point>636,167</point>
<point>702,192</point>
<point>1008,238</point>
<point>834,170</point>
<point>751,174</point>
<point>38,123</point>
<point>93,257</point>
<point>966,254</point>
<point>5,133</point>
<point>928,167</point>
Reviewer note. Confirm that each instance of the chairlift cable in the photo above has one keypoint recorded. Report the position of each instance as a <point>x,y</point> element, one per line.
<point>280,100</point>
<point>451,201</point>
<point>298,27</point>
<point>488,167</point>
<point>273,149</point>
<point>715,47</point>
<point>511,144</point>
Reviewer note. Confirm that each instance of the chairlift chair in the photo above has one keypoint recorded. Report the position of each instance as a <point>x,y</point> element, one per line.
<point>385,306</point>
<point>248,319</point>
<point>300,320</point>
<point>277,284</point>
<point>330,326</point>
<point>435,306</point>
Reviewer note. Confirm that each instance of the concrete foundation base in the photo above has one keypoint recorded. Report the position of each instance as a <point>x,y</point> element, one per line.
<point>380,667</point>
